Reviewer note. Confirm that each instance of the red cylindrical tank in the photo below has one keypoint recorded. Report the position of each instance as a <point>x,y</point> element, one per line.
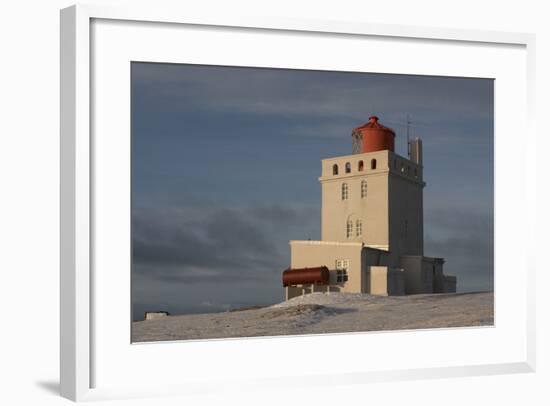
<point>301,276</point>
<point>373,136</point>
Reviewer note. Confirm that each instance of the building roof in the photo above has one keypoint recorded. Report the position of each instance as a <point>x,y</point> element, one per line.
<point>373,124</point>
<point>320,242</point>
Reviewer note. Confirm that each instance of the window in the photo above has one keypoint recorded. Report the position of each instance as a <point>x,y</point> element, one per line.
<point>363,189</point>
<point>395,164</point>
<point>349,229</point>
<point>344,191</point>
<point>341,276</point>
<point>415,173</point>
<point>342,266</point>
<point>335,169</point>
<point>348,167</point>
<point>360,166</point>
<point>373,164</point>
<point>358,228</point>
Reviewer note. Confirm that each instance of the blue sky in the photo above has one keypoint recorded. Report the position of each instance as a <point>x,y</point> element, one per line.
<point>225,162</point>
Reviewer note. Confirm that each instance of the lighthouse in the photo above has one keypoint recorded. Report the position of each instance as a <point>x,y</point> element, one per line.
<point>372,232</point>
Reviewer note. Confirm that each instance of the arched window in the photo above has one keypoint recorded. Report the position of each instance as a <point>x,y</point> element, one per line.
<point>358,228</point>
<point>415,173</point>
<point>373,163</point>
<point>349,229</point>
<point>348,167</point>
<point>344,191</point>
<point>363,189</point>
<point>360,166</point>
<point>335,169</point>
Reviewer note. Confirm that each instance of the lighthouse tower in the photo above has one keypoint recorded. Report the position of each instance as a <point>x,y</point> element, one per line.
<point>372,226</point>
<point>374,196</point>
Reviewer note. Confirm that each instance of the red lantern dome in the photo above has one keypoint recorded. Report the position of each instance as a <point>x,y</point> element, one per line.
<point>372,136</point>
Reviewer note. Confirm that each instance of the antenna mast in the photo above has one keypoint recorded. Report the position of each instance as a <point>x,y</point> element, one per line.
<point>409,122</point>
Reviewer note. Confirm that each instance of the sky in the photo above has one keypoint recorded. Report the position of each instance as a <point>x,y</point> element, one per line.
<point>225,167</point>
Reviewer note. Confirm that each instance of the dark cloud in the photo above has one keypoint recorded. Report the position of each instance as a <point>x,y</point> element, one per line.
<point>465,239</point>
<point>216,244</point>
<point>207,258</point>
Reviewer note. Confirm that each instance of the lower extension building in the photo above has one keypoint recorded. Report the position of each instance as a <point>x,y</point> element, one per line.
<point>372,235</point>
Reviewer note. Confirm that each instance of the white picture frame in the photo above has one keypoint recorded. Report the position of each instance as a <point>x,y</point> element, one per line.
<point>77,187</point>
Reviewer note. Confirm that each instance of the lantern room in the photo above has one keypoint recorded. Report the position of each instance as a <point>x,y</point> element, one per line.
<point>372,136</point>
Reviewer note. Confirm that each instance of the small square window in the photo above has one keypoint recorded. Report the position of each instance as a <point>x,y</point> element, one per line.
<point>341,276</point>
<point>342,266</point>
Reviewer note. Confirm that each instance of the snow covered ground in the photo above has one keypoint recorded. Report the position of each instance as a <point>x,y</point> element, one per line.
<point>319,313</point>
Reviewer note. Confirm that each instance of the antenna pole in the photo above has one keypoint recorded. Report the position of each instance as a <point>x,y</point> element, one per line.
<point>408,136</point>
